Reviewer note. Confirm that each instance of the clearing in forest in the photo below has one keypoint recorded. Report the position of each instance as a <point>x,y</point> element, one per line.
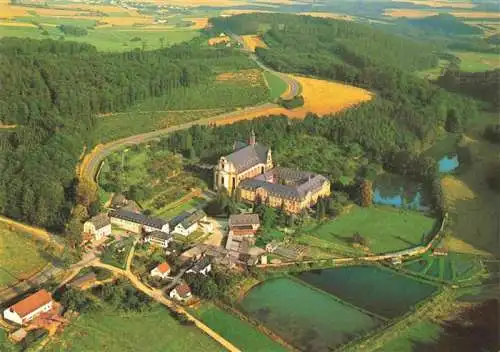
<point>252,77</point>
<point>253,41</point>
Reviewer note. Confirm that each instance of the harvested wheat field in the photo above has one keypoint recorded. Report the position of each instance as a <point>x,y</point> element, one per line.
<point>253,41</point>
<point>409,13</point>
<point>442,3</point>
<point>15,24</point>
<point>8,11</point>
<point>320,97</point>
<point>474,14</point>
<point>199,23</point>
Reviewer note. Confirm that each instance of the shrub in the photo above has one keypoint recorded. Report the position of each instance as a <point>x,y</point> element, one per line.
<point>292,103</point>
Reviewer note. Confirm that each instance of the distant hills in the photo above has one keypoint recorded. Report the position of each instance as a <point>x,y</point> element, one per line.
<point>441,24</point>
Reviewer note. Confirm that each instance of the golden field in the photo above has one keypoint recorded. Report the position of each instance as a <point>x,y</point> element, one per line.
<point>253,41</point>
<point>410,13</point>
<point>320,97</point>
<point>441,3</point>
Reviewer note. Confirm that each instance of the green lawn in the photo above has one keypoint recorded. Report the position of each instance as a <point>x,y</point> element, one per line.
<point>20,256</point>
<point>242,334</point>
<point>116,253</point>
<point>104,39</point>
<point>154,331</point>
<point>386,229</point>
<point>475,62</point>
<point>276,85</point>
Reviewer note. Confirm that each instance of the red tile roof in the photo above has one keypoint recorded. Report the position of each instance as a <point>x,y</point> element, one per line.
<point>31,303</point>
<point>183,289</point>
<point>163,267</point>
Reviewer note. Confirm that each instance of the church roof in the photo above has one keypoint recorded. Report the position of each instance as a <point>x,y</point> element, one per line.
<point>296,183</point>
<point>248,156</point>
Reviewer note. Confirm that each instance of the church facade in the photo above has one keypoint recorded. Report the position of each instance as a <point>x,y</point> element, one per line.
<point>249,170</point>
<point>246,161</point>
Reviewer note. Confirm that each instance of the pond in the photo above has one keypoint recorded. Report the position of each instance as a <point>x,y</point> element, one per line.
<point>309,319</point>
<point>448,163</point>
<point>397,191</point>
<point>381,291</point>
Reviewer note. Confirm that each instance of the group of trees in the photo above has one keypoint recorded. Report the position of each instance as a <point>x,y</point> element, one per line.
<point>54,91</point>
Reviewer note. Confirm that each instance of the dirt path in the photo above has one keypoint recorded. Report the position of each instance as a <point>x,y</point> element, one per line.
<point>34,231</point>
<point>158,296</point>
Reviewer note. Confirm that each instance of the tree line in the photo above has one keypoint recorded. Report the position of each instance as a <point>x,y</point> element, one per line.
<point>53,90</point>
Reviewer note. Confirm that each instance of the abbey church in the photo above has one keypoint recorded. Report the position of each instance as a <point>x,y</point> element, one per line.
<point>249,170</point>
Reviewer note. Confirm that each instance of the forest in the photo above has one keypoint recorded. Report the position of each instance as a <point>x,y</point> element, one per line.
<point>54,91</point>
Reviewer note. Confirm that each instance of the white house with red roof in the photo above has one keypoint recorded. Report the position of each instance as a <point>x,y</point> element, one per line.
<point>162,270</point>
<point>181,292</point>
<point>29,308</point>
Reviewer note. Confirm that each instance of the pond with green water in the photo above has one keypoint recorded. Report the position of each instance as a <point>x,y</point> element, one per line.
<point>377,290</point>
<point>309,319</point>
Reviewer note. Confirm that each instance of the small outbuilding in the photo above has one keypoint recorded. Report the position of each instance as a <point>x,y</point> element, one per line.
<point>159,238</point>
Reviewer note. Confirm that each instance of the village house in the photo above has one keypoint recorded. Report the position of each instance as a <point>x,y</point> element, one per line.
<point>98,227</point>
<point>202,266</point>
<point>243,224</point>
<point>137,222</point>
<point>249,171</point>
<point>187,223</point>
<point>162,270</point>
<point>29,308</point>
<point>159,238</point>
<point>181,292</point>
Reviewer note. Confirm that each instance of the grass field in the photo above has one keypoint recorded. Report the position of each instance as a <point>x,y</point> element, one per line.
<point>442,3</point>
<point>242,334</point>
<point>420,13</point>
<point>276,85</point>
<point>454,267</point>
<point>20,256</point>
<point>153,331</point>
<point>386,229</point>
<point>473,207</point>
<point>475,62</point>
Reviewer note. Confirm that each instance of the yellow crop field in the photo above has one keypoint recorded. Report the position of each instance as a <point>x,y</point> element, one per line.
<point>442,3</point>
<point>253,41</point>
<point>199,23</point>
<point>15,24</point>
<point>320,97</point>
<point>227,13</point>
<point>474,14</point>
<point>7,11</point>
<point>409,13</point>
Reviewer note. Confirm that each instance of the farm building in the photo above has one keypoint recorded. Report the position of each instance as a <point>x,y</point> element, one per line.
<point>187,223</point>
<point>243,224</point>
<point>137,222</point>
<point>29,308</point>
<point>181,292</point>
<point>162,270</point>
<point>98,227</point>
<point>159,238</point>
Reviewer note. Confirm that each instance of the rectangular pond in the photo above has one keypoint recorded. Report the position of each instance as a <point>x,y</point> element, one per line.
<point>380,291</point>
<point>307,318</point>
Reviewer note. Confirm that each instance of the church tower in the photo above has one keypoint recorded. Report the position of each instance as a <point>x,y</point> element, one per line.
<point>251,140</point>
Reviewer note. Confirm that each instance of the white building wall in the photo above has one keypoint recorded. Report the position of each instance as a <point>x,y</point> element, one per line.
<point>12,316</point>
<point>127,225</point>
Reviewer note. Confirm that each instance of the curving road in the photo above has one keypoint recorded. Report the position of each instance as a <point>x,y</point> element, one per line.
<point>92,161</point>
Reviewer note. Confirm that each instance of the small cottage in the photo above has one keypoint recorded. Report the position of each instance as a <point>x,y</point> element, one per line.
<point>187,223</point>
<point>243,224</point>
<point>181,292</point>
<point>162,270</point>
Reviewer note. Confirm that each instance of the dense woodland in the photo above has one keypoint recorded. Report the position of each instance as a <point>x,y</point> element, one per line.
<point>52,91</point>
